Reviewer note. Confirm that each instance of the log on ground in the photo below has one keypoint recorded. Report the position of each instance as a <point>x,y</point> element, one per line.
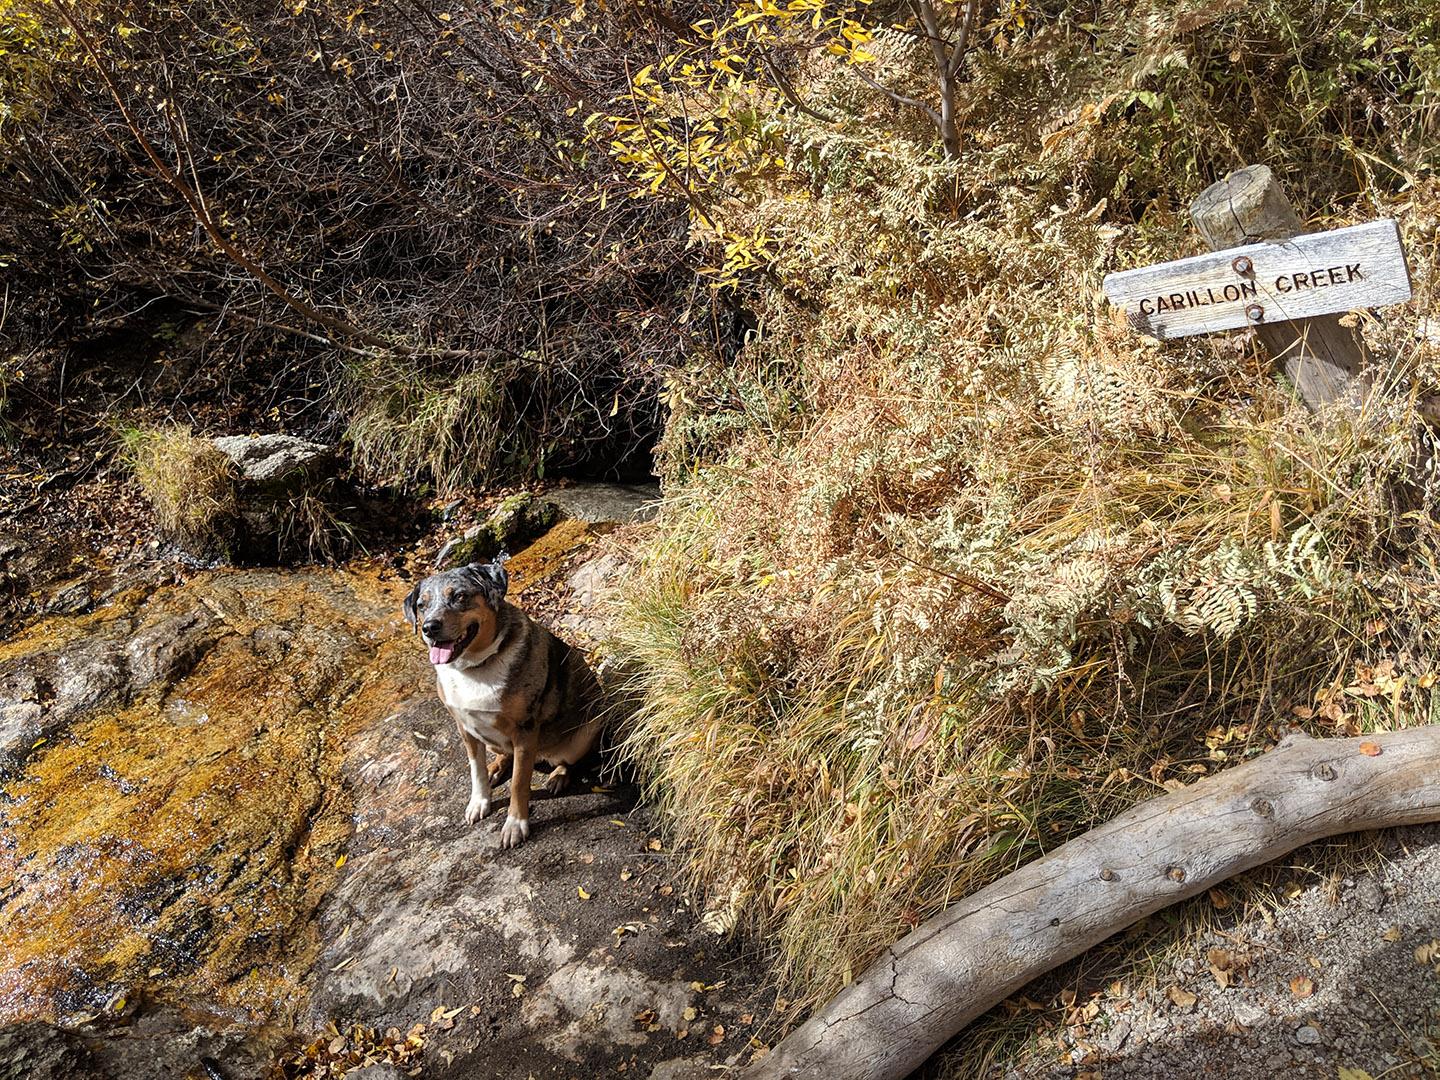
<point>954,967</point>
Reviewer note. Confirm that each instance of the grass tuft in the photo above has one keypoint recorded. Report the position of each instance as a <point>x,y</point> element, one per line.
<point>191,485</point>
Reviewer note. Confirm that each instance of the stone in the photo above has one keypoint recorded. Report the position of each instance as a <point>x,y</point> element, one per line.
<point>623,504</point>
<point>380,1071</point>
<point>35,1051</point>
<point>1368,895</point>
<point>266,458</point>
<point>517,521</point>
<point>291,504</point>
<point>1306,1035</point>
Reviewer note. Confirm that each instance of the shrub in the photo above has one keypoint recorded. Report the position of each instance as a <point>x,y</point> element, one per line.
<point>953,567</point>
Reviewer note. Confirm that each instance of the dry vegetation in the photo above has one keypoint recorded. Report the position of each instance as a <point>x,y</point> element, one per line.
<point>191,485</point>
<point>952,566</point>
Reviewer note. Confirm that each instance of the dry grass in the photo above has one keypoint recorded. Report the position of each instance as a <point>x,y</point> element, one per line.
<point>953,567</point>
<point>190,484</point>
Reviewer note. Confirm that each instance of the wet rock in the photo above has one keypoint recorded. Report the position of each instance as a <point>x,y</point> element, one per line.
<point>250,816</point>
<point>179,825</point>
<point>168,648</point>
<point>74,599</point>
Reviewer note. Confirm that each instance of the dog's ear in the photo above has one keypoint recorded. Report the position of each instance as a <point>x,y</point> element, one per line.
<point>412,613</point>
<point>492,581</point>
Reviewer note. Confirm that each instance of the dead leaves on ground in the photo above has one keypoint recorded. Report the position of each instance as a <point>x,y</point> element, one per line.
<point>336,1053</point>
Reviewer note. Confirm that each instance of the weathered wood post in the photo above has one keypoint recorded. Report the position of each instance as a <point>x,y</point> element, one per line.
<point>1325,361</point>
<point>1287,285</point>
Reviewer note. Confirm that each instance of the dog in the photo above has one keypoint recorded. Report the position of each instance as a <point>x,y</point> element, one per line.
<point>510,684</point>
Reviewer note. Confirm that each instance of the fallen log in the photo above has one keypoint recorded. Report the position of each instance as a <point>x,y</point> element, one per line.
<point>950,969</point>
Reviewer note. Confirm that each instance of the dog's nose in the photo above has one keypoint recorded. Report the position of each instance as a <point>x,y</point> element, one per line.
<point>432,628</point>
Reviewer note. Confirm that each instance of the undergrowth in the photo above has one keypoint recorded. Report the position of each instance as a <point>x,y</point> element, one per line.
<point>191,485</point>
<point>951,565</point>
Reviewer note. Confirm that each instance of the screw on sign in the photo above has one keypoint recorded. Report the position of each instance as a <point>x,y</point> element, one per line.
<point>1361,266</point>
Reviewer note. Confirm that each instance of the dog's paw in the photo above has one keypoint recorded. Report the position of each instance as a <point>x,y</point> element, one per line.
<point>515,831</point>
<point>558,780</point>
<point>500,769</point>
<point>477,808</point>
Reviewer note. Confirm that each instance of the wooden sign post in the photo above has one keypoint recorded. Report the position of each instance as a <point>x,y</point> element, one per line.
<point>1286,285</point>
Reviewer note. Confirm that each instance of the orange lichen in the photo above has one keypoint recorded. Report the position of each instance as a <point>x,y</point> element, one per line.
<point>183,843</point>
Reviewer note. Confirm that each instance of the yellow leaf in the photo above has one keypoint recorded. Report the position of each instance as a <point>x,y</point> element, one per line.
<point>583,894</point>
<point>340,862</point>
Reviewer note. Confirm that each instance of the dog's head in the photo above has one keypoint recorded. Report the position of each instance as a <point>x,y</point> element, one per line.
<point>455,610</point>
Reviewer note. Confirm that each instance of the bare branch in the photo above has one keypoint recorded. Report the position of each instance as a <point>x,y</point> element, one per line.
<point>928,111</point>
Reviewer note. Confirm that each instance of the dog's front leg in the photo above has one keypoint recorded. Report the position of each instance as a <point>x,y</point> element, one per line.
<point>517,824</point>
<point>479,804</point>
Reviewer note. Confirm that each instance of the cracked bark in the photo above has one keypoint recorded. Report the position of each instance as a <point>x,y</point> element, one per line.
<point>950,969</point>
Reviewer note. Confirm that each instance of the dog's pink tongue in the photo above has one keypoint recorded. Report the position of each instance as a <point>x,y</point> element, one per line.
<point>442,653</point>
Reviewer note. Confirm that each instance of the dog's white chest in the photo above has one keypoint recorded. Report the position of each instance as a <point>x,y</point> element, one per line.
<point>475,700</point>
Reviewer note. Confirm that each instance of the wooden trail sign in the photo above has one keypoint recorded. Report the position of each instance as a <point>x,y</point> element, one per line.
<point>1362,266</point>
<point>1286,285</point>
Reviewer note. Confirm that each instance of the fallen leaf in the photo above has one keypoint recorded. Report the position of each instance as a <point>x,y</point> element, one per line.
<point>587,859</point>
<point>1369,749</point>
<point>583,894</point>
<point>690,1013</point>
<point>1353,1074</point>
<point>1180,997</point>
<point>718,1035</point>
<point>340,862</point>
<point>336,1044</point>
<point>1392,934</point>
<point>645,1017</point>
<point>747,1018</point>
<point>1314,962</point>
<point>1301,986</point>
<point>626,875</point>
<point>615,822</point>
<point>1218,900</point>
<point>654,845</point>
<point>1426,954</point>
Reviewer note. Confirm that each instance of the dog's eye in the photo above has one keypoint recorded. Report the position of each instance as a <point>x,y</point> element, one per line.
<point>461,597</point>
<point>424,598</point>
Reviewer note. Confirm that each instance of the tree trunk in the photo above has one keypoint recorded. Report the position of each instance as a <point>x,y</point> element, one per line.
<point>954,967</point>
